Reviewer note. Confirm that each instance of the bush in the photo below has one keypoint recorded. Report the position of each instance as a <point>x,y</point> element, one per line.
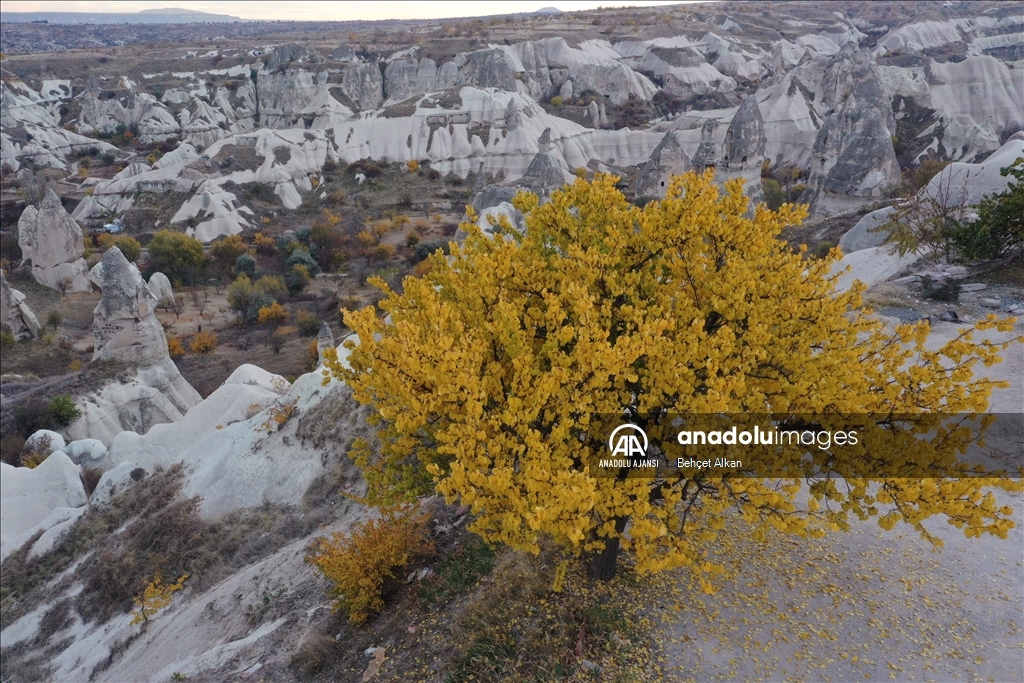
<point>774,197</point>
<point>425,249</point>
<point>64,410</point>
<point>302,257</point>
<point>264,244</point>
<point>273,314</point>
<point>945,290</point>
<point>227,251</point>
<point>382,252</point>
<point>308,323</point>
<point>203,343</point>
<point>246,263</point>
<point>129,246</point>
<point>175,349</point>
<point>557,102</point>
<point>7,338</point>
<point>31,416</point>
<point>412,239</point>
<point>412,165</point>
<point>999,228</point>
<point>298,278</point>
<point>360,565</point>
<point>177,255</point>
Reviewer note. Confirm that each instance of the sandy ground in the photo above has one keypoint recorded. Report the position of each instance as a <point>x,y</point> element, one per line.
<point>861,605</point>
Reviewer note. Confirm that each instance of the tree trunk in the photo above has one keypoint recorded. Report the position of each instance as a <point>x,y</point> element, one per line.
<point>602,566</point>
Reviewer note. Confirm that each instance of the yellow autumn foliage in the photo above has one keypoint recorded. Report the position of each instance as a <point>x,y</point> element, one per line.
<point>156,596</point>
<point>358,565</point>
<point>486,377</point>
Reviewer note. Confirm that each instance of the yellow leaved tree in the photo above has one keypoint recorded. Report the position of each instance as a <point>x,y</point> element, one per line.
<point>486,377</point>
<point>156,596</point>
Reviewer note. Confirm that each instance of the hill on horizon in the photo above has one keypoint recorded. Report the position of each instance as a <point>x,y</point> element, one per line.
<point>164,15</point>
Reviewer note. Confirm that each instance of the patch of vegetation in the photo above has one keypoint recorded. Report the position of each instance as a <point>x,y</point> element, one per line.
<point>145,529</point>
<point>946,289</point>
<point>459,571</point>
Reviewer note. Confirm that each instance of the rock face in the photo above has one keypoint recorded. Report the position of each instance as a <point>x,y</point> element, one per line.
<point>706,155</point>
<point>52,240</point>
<point>160,287</point>
<point>853,157</point>
<point>124,322</point>
<point>488,69</point>
<point>324,341</point>
<point>667,159</point>
<point>135,400</point>
<point>743,152</point>
<point>29,495</point>
<point>15,313</point>
<point>544,173</point>
<point>863,235</point>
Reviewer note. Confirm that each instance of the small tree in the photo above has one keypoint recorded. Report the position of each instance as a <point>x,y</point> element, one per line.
<point>178,254</point>
<point>156,596</point>
<point>129,246</point>
<point>926,223</point>
<point>203,343</point>
<point>279,337</point>
<point>175,348</point>
<point>241,294</point>
<point>485,378</point>
<point>225,251</point>
<point>999,228</point>
<point>54,318</point>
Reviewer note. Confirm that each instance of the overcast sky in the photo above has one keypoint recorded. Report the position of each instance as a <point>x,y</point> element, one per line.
<point>329,11</point>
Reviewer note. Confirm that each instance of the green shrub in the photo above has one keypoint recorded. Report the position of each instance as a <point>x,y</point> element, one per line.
<point>246,263</point>
<point>302,257</point>
<point>129,246</point>
<point>31,416</point>
<point>945,290</point>
<point>64,410</point>
<point>178,255</point>
<point>425,249</point>
<point>999,228</point>
<point>774,197</point>
<point>308,323</point>
<point>7,338</point>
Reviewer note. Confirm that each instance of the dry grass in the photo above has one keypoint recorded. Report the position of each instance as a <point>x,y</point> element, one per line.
<point>885,296</point>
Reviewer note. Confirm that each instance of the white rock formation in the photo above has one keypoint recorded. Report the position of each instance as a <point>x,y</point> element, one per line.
<point>115,481</point>
<point>965,183</point>
<point>15,313</point>
<point>27,496</point>
<point>863,235</point>
<point>53,441</point>
<point>124,322</point>
<point>231,458</point>
<point>52,240</point>
<point>135,399</point>
<point>86,452</point>
<point>160,288</point>
<point>668,159</point>
<point>870,266</point>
